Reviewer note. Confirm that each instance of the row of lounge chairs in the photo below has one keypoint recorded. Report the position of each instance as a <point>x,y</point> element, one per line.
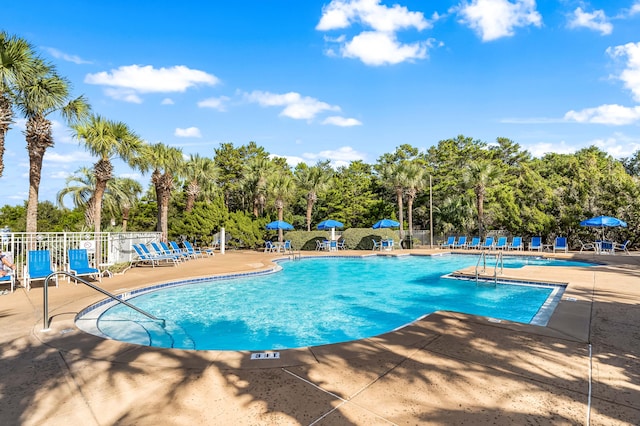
<point>502,243</point>
<point>155,253</point>
<point>39,263</point>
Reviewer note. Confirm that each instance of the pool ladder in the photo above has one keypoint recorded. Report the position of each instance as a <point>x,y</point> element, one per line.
<point>483,259</point>
<point>295,255</point>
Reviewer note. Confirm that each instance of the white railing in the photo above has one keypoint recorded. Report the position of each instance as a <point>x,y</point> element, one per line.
<point>104,248</point>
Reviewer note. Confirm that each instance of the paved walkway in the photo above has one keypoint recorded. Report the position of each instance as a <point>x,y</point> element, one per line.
<point>445,369</point>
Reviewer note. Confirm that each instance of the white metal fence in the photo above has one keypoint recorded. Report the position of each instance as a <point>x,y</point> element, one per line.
<point>104,248</point>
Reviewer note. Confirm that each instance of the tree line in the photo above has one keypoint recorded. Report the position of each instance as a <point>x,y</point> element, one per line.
<point>467,186</point>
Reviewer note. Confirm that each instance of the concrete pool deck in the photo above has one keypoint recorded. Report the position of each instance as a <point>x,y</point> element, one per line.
<point>446,368</point>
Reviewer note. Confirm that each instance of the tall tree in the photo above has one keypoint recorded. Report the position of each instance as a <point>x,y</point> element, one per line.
<point>393,175</point>
<point>120,194</point>
<point>39,97</point>
<point>16,67</point>
<point>281,188</point>
<point>125,192</point>
<point>107,140</point>
<point>167,164</point>
<point>481,175</point>
<point>313,180</point>
<point>254,181</point>
<point>200,173</point>
<point>414,182</point>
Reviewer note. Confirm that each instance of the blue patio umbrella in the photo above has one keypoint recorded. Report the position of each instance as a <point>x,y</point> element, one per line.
<point>279,224</point>
<point>602,222</point>
<point>385,223</point>
<point>328,224</point>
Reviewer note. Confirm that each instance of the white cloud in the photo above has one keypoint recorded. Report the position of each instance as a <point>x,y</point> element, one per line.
<point>71,157</point>
<point>338,158</point>
<point>631,73</point>
<point>618,145</point>
<point>128,81</point>
<point>295,105</point>
<point>65,56</point>
<point>606,114</point>
<point>540,149</point>
<point>292,161</point>
<point>635,8</point>
<point>215,103</point>
<point>494,19</point>
<point>342,13</point>
<point>127,95</point>
<point>380,46</point>
<point>342,121</point>
<point>167,101</point>
<point>597,21</point>
<point>59,174</point>
<point>189,132</point>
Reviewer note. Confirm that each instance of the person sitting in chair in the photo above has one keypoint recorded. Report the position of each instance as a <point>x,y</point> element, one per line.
<point>5,262</point>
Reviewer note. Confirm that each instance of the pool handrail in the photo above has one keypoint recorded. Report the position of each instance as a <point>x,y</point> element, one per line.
<point>45,298</point>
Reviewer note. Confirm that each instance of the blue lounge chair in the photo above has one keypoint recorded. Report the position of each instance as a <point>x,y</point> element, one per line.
<point>386,245</point>
<point>377,245</point>
<point>341,245</point>
<point>158,251</point>
<point>286,247</point>
<point>38,267</point>
<point>560,244</point>
<point>536,243</point>
<point>502,243</point>
<point>488,243</point>
<point>623,247</point>
<point>462,243</point>
<point>475,243</point>
<point>516,244</point>
<point>269,247</point>
<point>451,241</point>
<point>175,249</point>
<point>193,252</point>
<point>79,265</point>
<point>145,255</point>
<point>172,251</point>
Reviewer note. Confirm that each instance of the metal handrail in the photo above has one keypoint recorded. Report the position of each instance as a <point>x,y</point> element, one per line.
<point>483,258</point>
<point>46,321</point>
<point>499,260</point>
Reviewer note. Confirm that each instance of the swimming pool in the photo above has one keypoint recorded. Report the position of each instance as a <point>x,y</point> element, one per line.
<point>319,301</point>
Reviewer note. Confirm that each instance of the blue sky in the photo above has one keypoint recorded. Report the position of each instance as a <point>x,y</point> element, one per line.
<point>340,80</point>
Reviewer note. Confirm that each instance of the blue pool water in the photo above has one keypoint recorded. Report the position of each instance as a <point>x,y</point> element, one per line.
<point>319,301</point>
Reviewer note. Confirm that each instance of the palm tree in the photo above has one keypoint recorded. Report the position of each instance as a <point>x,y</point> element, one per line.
<point>254,181</point>
<point>200,173</point>
<point>16,67</point>
<point>107,140</point>
<point>480,175</point>
<point>120,194</point>
<point>167,163</point>
<point>313,180</point>
<point>281,187</point>
<point>37,98</point>
<point>80,186</point>
<point>394,176</point>
<point>125,193</point>
<point>414,182</point>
